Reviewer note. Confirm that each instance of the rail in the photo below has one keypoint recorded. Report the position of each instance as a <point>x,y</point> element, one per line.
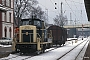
<point>70,50</point>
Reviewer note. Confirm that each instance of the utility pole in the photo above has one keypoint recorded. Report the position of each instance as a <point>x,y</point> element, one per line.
<point>61,16</point>
<point>70,18</point>
<point>81,15</point>
<point>82,31</point>
<point>61,8</point>
<point>70,21</point>
<point>82,24</point>
<point>75,26</point>
<point>47,13</point>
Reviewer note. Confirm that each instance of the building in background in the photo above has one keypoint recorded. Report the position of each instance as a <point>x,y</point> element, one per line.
<point>6,18</point>
<point>87,5</point>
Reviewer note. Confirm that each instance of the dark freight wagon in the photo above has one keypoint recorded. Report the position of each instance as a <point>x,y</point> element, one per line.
<point>59,34</point>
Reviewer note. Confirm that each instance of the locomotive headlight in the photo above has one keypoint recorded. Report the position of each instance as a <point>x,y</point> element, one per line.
<point>37,39</point>
<point>26,33</point>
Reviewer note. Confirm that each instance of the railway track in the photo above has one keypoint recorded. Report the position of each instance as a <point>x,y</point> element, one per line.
<point>18,55</point>
<point>82,50</point>
<point>70,51</point>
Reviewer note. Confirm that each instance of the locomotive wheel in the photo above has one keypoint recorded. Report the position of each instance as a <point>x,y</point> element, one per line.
<point>63,44</point>
<point>38,52</point>
<point>17,51</point>
<point>43,51</point>
<point>21,53</point>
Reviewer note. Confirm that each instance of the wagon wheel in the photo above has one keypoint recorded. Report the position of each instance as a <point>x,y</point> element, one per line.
<point>43,51</point>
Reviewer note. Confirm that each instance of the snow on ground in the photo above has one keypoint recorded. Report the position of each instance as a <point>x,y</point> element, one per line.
<point>54,54</point>
<point>16,57</point>
<point>5,45</point>
<point>72,55</point>
<point>81,55</point>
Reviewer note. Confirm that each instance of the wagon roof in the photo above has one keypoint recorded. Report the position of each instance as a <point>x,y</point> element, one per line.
<point>54,27</point>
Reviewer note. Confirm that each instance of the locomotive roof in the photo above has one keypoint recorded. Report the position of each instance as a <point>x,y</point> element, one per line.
<point>30,19</point>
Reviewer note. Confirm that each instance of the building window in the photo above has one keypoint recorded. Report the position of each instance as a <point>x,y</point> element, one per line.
<point>7,2</point>
<point>10,3</point>
<point>5,30</point>
<point>10,31</point>
<point>9,17</point>
<point>5,16</point>
<point>4,2</point>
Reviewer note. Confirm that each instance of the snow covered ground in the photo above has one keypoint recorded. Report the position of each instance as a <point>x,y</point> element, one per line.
<point>5,45</point>
<point>54,54</point>
<point>72,55</point>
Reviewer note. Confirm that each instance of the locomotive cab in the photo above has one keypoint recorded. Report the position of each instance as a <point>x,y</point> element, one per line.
<point>36,22</point>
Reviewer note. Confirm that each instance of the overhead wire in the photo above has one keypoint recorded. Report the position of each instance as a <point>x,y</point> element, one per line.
<point>48,10</point>
<point>70,8</point>
<point>52,3</point>
<point>75,2</point>
<point>75,5</point>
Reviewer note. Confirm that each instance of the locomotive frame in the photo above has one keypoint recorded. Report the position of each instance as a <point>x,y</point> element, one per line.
<point>32,39</point>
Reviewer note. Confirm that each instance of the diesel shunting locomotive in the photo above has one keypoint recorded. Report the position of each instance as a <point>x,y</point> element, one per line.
<point>32,37</point>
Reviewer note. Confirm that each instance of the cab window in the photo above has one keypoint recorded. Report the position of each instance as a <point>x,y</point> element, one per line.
<point>37,23</point>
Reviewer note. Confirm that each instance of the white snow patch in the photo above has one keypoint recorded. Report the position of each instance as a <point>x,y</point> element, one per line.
<point>5,45</point>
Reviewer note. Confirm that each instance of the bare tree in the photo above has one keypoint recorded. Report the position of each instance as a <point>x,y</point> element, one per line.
<point>21,8</point>
<point>27,9</point>
<point>60,20</point>
<point>38,13</point>
<point>41,14</point>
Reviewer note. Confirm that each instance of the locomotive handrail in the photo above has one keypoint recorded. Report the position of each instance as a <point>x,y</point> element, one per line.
<point>39,35</point>
<point>49,34</point>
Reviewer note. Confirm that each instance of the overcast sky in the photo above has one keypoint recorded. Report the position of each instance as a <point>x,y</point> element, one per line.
<point>69,6</point>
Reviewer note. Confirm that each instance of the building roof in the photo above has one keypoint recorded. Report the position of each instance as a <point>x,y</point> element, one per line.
<point>87,6</point>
